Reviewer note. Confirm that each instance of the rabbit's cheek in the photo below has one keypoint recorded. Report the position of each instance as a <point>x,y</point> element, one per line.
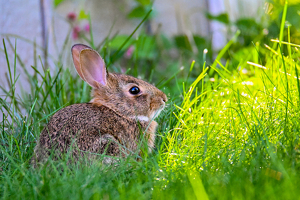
<point>121,95</point>
<point>142,100</point>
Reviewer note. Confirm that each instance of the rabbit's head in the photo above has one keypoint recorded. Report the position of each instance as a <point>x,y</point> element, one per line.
<point>126,95</point>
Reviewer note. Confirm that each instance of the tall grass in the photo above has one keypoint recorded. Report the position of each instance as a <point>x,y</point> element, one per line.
<point>242,129</point>
<point>228,134</point>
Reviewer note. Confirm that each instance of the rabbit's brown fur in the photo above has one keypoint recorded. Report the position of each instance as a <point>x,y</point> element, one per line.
<point>90,129</point>
<point>112,123</point>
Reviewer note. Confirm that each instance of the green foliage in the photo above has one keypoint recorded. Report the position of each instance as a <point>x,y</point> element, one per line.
<point>223,18</point>
<point>182,42</point>
<point>82,15</point>
<point>57,2</point>
<point>118,40</point>
<point>137,12</point>
<point>140,10</point>
<point>144,2</point>
<point>248,28</point>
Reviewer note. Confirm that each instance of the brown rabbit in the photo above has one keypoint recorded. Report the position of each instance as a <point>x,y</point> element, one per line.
<point>119,115</point>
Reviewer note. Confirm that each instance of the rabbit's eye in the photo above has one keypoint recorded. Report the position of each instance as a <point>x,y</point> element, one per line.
<point>134,90</point>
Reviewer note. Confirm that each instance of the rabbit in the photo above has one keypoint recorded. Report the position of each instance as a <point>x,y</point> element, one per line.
<point>120,113</point>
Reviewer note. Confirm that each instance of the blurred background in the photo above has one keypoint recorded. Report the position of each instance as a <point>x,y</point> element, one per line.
<point>175,33</point>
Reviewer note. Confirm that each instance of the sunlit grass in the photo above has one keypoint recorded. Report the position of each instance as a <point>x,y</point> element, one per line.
<point>243,127</point>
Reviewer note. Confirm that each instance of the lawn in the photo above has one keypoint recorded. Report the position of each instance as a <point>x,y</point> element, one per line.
<point>230,129</point>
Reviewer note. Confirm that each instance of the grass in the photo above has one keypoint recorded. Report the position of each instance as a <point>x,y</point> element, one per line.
<point>229,133</point>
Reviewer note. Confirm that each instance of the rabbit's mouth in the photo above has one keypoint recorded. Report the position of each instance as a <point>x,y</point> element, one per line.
<point>155,113</point>
<point>152,116</point>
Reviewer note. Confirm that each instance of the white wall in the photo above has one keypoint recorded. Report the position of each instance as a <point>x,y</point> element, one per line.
<point>20,18</point>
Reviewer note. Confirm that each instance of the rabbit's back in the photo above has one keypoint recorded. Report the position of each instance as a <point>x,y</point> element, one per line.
<point>87,128</point>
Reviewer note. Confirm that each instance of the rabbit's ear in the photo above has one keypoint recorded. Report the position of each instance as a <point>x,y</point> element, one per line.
<point>89,65</point>
<point>76,49</point>
<point>93,68</point>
